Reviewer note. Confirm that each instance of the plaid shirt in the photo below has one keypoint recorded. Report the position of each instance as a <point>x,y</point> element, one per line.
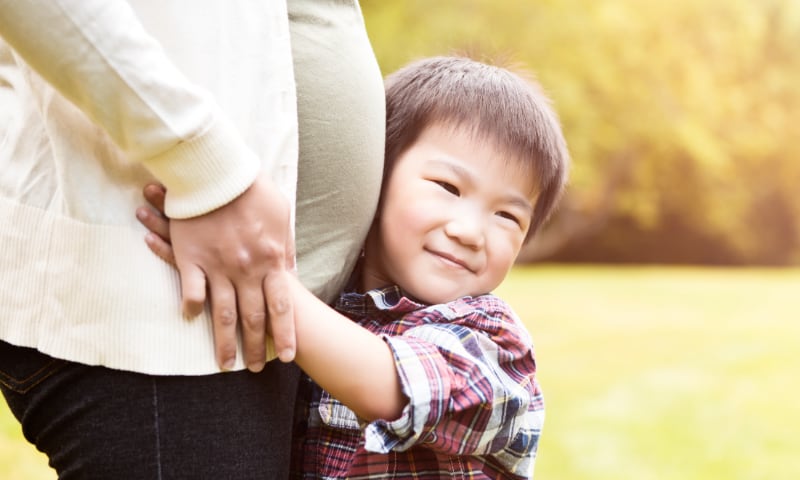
<point>475,408</point>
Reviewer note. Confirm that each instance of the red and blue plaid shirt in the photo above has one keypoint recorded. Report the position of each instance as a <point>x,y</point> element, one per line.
<point>475,409</point>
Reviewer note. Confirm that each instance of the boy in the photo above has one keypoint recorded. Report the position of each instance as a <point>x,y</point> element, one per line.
<point>420,372</point>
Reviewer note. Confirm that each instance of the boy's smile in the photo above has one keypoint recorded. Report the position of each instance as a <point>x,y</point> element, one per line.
<point>453,217</point>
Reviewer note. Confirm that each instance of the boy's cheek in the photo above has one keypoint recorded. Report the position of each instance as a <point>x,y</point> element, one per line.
<point>504,256</point>
<point>415,215</point>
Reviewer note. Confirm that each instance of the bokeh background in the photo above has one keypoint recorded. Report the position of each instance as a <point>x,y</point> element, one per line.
<point>664,295</point>
<point>682,117</point>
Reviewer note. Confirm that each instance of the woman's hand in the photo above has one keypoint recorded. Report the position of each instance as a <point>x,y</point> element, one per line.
<point>239,288</point>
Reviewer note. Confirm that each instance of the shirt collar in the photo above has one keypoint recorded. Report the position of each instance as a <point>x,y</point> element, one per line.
<point>388,299</point>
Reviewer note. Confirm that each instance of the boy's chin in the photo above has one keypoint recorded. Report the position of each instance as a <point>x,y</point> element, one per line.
<point>432,296</point>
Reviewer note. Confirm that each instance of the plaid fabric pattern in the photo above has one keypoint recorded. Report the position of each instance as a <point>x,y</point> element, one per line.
<point>475,409</point>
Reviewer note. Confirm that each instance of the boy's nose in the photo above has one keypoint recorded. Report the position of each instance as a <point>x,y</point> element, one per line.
<point>466,227</point>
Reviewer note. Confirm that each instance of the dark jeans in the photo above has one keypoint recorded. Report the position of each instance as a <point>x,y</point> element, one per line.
<point>94,422</point>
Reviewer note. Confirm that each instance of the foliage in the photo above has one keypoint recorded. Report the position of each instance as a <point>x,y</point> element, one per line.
<point>674,111</point>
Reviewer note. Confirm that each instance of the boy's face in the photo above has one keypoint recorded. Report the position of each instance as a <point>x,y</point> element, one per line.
<point>453,218</point>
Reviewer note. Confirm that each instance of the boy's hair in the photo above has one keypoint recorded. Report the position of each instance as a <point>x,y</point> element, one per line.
<point>494,103</point>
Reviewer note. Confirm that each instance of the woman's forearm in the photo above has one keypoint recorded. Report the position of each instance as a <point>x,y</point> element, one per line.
<point>98,55</point>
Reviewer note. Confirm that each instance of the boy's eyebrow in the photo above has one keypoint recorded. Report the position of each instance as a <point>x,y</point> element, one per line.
<point>457,169</point>
<point>465,174</point>
<point>520,202</point>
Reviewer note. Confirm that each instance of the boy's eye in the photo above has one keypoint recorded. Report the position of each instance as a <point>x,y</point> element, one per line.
<point>510,216</point>
<point>448,186</point>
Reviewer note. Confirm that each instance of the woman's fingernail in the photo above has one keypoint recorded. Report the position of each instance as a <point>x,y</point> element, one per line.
<point>286,355</point>
<point>256,367</point>
<point>228,365</point>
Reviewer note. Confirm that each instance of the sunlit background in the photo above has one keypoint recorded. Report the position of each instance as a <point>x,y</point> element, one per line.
<point>682,117</point>
<point>664,296</point>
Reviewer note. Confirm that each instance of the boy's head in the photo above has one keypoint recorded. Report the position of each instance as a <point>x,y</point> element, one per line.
<point>492,104</point>
<point>475,162</point>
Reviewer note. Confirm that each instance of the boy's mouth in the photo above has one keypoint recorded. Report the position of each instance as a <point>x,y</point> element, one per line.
<point>450,259</point>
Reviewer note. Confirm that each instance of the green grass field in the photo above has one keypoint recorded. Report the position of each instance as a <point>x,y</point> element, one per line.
<point>648,373</point>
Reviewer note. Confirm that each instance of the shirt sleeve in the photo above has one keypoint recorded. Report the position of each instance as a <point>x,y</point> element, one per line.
<point>472,389</point>
<point>97,54</point>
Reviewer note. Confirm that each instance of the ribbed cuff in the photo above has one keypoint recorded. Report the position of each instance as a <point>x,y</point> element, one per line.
<point>206,172</point>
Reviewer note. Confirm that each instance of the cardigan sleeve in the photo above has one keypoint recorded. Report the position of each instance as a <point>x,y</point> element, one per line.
<point>98,55</point>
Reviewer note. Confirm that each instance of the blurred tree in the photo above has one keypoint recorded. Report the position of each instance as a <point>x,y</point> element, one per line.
<point>682,117</point>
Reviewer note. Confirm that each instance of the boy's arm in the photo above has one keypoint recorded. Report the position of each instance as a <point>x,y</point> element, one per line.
<point>354,365</point>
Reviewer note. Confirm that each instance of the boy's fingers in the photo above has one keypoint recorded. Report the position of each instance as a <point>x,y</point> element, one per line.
<point>161,248</point>
<point>153,222</point>
<point>155,194</point>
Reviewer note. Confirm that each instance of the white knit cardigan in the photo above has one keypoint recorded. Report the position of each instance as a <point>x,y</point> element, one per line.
<point>97,97</point>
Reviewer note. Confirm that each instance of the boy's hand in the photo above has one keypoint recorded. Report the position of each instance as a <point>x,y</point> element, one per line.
<point>155,220</point>
<point>239,287</point>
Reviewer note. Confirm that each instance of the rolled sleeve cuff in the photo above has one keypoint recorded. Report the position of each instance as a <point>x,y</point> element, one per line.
<point>419,382</point>
<point>206,172</point>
